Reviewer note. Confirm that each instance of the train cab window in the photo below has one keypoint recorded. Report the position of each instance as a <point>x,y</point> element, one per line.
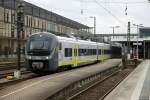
<point>68,52</point>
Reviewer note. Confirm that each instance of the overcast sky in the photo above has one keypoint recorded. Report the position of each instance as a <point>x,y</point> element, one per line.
<point>107,12</point>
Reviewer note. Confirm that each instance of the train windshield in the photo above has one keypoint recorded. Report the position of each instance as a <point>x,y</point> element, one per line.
<point>38,45</point>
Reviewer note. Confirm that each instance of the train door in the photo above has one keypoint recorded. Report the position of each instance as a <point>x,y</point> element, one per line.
<point>75,55</point>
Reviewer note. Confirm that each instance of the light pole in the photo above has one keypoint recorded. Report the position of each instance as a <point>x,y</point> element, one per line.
<point>138,25</point>
<point>113,27</point>
<point>94,24</point>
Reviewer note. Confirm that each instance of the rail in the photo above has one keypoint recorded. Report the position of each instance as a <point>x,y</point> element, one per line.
<point>91,86</point>
<point>119,76</point>
<point>10,65</point>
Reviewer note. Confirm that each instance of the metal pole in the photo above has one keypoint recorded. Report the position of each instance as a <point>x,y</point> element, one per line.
<point>137,48</point>
<point>128,40</point>
<point>113,31</point>
<point>20,22</point>
<point>137,39</point>
<point>113,27</point>
<point>94,26</point>
<point>144,49</point>
<point>18,34</point>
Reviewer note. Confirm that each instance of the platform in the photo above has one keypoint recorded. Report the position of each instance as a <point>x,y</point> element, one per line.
<point>135,87</point>
<point>43,87</point>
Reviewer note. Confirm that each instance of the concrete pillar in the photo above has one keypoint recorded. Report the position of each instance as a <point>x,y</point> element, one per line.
<point>147,50</point>
<point>144,50</point>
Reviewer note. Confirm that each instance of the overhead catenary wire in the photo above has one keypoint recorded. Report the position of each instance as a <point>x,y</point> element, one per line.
<point>109,12</point>
<point>119,2</point>
<point>126,2</point>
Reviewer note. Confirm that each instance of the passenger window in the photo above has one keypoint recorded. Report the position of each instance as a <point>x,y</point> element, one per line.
<point>60,46</point>
<point>99,52</point>
<point>68,52</point>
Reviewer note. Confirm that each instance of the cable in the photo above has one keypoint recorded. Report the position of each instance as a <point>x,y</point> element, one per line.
<point>89,1</point>
<point>109,12</point>
<point>126,2</point>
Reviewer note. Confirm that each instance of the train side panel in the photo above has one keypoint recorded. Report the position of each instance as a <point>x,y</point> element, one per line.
<point>87,53</point>
<point>100,52</point>
<point>66,53</point>
<point>107,51</point>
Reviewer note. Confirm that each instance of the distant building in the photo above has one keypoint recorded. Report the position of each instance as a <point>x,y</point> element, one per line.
<point>36,20</point>
<point>144,32</point>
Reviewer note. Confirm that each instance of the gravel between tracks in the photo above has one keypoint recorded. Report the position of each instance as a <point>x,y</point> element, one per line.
<point>99,90</point>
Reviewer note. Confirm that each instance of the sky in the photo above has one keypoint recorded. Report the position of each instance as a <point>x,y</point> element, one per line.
<point>108,13</point>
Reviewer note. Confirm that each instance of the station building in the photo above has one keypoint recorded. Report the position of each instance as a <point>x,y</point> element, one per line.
<point>36,19</point>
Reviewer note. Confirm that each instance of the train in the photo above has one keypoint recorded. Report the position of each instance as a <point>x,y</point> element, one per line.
<point>46,52</point>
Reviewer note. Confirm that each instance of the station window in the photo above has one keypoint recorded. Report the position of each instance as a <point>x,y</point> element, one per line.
<point>30,21</point>
<point>13,18</point>
<point>68,52</point>
<point>38,24</point>
<point>6,16</point>
<point>27,21</point>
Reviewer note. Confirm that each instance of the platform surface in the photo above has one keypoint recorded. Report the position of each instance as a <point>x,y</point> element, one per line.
<point>42,87</point>
<point>135,87</point>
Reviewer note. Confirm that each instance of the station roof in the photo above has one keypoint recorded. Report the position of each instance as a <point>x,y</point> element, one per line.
<point>36,11</point>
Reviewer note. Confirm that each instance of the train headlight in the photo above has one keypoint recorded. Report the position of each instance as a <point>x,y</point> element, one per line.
<point>47,57</point>
<point>29,57</point>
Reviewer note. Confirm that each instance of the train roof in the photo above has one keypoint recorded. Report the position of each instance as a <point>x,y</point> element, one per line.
<point>46,34</point>
<point>76,40</point>
<point>72,40</point>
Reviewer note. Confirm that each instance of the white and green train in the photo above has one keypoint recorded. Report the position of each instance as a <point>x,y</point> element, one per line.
<point>46,52</point>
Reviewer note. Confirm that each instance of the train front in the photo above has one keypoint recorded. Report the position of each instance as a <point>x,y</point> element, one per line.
<point>42,53</point>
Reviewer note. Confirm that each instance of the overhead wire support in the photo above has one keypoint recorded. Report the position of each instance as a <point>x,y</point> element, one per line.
<point>20,25</point>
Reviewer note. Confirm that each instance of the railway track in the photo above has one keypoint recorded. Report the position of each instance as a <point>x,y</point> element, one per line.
<point>6,68</point>
<point>3,75</point>
<point>9,65</point>
<point>100,89</point>
<point>25,76</point>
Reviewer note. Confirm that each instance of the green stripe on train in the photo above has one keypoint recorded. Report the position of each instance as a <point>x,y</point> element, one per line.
<point>82,60</point>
